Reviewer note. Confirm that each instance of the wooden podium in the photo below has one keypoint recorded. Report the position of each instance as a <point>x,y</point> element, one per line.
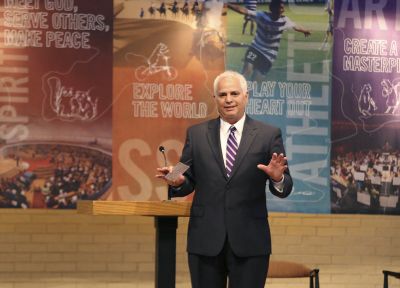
<point>165,215</point>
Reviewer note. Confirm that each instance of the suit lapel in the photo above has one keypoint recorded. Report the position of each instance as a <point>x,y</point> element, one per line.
<point>215,143</point>
<point>249,133</point>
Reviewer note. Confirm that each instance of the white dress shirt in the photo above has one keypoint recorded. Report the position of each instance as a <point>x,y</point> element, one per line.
<point>224,134</point>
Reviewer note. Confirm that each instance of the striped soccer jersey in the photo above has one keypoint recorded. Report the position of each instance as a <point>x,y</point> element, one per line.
<point>251,4</point>
<point>269,33</point>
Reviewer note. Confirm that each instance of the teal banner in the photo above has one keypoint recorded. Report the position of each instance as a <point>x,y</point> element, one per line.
<point>287,60</point>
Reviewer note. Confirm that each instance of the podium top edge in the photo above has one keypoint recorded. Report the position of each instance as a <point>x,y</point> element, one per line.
<point>139,208</point>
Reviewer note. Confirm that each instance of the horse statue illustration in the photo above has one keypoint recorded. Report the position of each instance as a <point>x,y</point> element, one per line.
<point>157,62</point>
<point>391,91</point>
<point>366,104</point>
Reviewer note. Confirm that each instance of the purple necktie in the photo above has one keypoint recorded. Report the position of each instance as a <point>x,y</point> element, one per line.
<point>231,150</point>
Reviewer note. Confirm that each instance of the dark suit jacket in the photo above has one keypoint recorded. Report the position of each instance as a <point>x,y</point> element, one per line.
<point>235,207</point>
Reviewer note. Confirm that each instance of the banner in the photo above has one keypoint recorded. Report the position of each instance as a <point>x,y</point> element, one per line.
<point>292,91</point>
<point>56,98</point>
<point>166,57</point>
<point>365,110</point>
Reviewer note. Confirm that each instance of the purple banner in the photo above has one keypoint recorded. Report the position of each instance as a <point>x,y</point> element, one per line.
<point>365,108</point>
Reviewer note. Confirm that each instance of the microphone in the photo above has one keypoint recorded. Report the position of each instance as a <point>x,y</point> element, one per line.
<point>162,150</point>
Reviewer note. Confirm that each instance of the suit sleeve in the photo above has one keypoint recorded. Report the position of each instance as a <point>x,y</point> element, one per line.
<point>277,147</point>
<point>188,186</point>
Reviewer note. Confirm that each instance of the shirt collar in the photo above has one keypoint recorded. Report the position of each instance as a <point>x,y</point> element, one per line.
<point>238,125</point>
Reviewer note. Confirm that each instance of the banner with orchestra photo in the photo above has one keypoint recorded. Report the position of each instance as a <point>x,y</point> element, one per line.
<point>56,99</point>
<point>365,108</point>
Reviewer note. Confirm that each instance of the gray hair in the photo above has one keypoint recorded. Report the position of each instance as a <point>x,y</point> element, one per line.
<point>230,74</point>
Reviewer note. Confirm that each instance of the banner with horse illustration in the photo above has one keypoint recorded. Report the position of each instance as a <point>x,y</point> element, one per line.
<point>365,108</point>
<point>165,60</point>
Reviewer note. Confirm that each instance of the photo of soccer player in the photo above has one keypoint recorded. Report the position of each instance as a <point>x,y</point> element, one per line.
<point>265,46</point>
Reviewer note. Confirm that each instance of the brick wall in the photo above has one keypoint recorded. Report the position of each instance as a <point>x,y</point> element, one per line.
<point>41,248</point>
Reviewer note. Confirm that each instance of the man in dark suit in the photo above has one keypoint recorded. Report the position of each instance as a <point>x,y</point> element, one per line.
<point>228,234</point>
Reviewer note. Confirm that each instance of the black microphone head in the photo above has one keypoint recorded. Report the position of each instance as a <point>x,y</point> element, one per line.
<point>161,149</point>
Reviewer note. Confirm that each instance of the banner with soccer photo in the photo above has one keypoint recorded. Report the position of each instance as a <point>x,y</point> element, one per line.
<point>285,53</point>
<point>365,108</point>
